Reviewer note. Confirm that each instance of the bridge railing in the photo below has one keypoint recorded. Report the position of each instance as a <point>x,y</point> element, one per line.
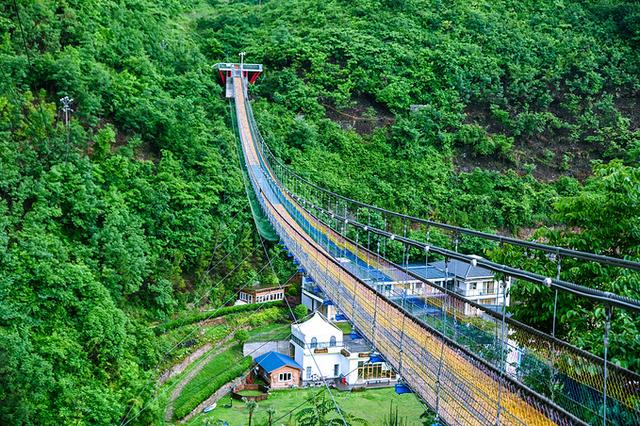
<point>572,378</point>
<point>462,391</point>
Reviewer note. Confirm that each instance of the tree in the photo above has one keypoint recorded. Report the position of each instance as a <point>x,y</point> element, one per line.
<point>602,217</point>
<point>251,406</point>
<point>322,411</point>
<point>270,412</point>
<point>300,312</point>
<point>393,417</point>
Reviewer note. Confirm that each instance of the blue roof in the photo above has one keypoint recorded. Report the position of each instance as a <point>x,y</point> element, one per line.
<point>273,360</point>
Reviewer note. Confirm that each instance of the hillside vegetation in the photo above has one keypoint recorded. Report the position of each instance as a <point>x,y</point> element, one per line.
<point>535,89</point>
<point>135,210</point>
<point>110,223</point>
<point>517,117</point>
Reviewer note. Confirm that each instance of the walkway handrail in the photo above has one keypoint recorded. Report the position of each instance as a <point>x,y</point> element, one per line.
<point>490,312</point>
<point>601,296</point>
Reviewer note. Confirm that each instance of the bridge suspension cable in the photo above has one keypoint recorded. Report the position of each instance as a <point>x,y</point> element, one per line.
<point>557,283</point>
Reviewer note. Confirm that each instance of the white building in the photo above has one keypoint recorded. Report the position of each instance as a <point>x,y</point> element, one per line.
<point>324,352</point>
<point>260,293</point>
<point>474,283</point>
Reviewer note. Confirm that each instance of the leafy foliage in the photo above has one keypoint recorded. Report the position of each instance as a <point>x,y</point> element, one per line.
<point>488,84</point>
<point>129,213</point>
<point>201,316</point>
<point>493,120</point>
<point>135,209</point>
<point>601,218</point>
<point>322,411</point>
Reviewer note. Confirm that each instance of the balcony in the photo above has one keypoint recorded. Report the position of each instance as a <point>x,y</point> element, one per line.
<point>349,345</point>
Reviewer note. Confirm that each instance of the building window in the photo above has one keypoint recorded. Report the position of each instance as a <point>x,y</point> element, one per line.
<point>374,371</point>
<point>309,373</point>
<point>336,370</point>
<point>332,342</point>
<point>284,377</point>
<point>474,286</point>
<point>314,343</point>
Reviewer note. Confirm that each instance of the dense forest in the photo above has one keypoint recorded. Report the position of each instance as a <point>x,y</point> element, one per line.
<point>512,117</point>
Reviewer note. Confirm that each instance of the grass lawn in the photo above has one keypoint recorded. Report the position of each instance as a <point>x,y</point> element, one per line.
<point>344,326</point>
<point>371,405</point>
<point>250,393</point>
<point>203,384</point>
<point>270,332</point>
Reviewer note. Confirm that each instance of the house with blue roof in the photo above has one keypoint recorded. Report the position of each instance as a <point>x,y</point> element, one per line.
<point>278,370</point>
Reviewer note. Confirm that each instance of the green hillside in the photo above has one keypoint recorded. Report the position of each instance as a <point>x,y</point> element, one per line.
<point>519,117</point>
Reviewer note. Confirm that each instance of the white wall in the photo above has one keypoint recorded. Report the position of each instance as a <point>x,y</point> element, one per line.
<point>322,365</point>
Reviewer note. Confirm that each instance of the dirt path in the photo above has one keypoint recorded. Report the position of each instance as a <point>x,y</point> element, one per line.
<point>220,347</point>
<point>182,365</point>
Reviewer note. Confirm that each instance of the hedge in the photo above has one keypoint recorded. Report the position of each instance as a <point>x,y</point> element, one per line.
<point>207,385</point>
<point>201,316</point>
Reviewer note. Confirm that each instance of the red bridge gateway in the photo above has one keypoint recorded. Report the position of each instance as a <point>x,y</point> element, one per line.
<point>250,72</point>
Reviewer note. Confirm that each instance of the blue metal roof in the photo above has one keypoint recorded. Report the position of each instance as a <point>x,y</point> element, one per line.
<point>271,361</point>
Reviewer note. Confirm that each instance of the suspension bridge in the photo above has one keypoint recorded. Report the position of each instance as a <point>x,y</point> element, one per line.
<point>470,370</point>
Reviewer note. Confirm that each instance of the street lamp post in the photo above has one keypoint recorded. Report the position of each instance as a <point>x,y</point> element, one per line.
<point>67,110</point>
<point>242,63</point>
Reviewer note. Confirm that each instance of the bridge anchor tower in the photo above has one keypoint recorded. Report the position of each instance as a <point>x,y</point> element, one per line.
<point>250,73</point>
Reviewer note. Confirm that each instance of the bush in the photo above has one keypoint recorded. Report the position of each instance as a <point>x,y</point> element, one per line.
<point>293,291</point>
<point>201,316</point>
<point>242,336</point>
<point>300,311</point>
<point>265,316</point>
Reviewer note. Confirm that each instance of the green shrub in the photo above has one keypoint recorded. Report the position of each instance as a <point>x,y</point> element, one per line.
<point>300,311</point>
<point>265,316</point>
<point>242,336</point>
<point>201,316</point>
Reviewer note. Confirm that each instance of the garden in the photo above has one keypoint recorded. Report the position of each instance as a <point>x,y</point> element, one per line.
<point>288,407</point>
